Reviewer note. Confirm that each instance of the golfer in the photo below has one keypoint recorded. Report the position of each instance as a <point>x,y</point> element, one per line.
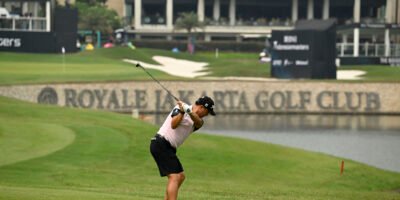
<point>180,123</point>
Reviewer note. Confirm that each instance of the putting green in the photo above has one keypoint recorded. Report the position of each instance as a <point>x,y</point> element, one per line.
<point>31,140</point>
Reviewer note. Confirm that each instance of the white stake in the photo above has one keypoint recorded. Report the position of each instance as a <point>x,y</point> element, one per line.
<point>63,58</point>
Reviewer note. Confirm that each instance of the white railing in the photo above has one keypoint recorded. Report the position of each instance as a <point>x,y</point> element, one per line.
<point>23,23</point>
<point>367,49</point>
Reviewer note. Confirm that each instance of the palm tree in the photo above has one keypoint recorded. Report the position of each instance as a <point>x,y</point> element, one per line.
<point>189,22</point>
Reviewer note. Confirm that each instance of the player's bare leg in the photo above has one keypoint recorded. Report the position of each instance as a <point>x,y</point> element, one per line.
<point>174,182</point>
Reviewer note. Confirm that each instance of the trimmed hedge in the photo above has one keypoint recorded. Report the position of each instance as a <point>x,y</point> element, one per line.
<point>201,45</point>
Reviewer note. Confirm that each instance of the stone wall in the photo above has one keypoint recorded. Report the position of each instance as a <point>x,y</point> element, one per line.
<point>229,96</point>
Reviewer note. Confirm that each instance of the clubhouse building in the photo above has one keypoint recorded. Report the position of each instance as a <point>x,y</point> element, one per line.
<point>365,27</point>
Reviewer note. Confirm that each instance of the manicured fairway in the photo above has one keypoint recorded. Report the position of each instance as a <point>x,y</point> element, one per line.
<point>107,65</point>
<point>59,153</point>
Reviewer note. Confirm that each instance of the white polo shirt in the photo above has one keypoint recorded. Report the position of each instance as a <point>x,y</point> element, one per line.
<point>177,136</point>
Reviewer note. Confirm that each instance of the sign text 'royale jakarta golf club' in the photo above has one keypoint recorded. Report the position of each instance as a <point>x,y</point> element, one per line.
<point>232,100</point>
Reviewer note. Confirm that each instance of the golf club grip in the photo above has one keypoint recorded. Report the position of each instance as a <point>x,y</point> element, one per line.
<point>138,65</point>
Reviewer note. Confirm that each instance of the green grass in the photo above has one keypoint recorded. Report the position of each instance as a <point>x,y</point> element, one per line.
<point>377,73</point>
<point>82,67</point>
<point>107,65</point>
<point>61,153</point>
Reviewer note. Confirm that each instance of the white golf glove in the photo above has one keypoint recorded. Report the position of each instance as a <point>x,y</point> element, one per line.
<point>187,108</point>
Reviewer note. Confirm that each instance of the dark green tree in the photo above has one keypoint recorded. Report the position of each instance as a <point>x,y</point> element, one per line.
<point>188,21</point>
<point>97,17</point>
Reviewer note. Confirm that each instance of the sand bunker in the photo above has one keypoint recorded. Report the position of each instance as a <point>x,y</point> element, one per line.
<point>349,74</point>
<point>175,67</point>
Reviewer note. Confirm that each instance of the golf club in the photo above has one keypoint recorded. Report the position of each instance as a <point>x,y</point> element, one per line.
<point>138,65</point>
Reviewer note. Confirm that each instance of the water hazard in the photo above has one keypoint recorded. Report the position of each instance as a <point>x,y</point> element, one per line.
<point>370,139</point>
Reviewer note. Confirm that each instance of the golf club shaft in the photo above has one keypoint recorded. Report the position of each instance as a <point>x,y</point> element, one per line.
<point>138,65</point>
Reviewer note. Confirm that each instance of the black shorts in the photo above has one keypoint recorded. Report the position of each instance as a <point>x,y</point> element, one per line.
<point>165,156</point>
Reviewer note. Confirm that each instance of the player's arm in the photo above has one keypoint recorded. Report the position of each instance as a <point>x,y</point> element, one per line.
<point>177,115</point>
<point>198,121</point>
